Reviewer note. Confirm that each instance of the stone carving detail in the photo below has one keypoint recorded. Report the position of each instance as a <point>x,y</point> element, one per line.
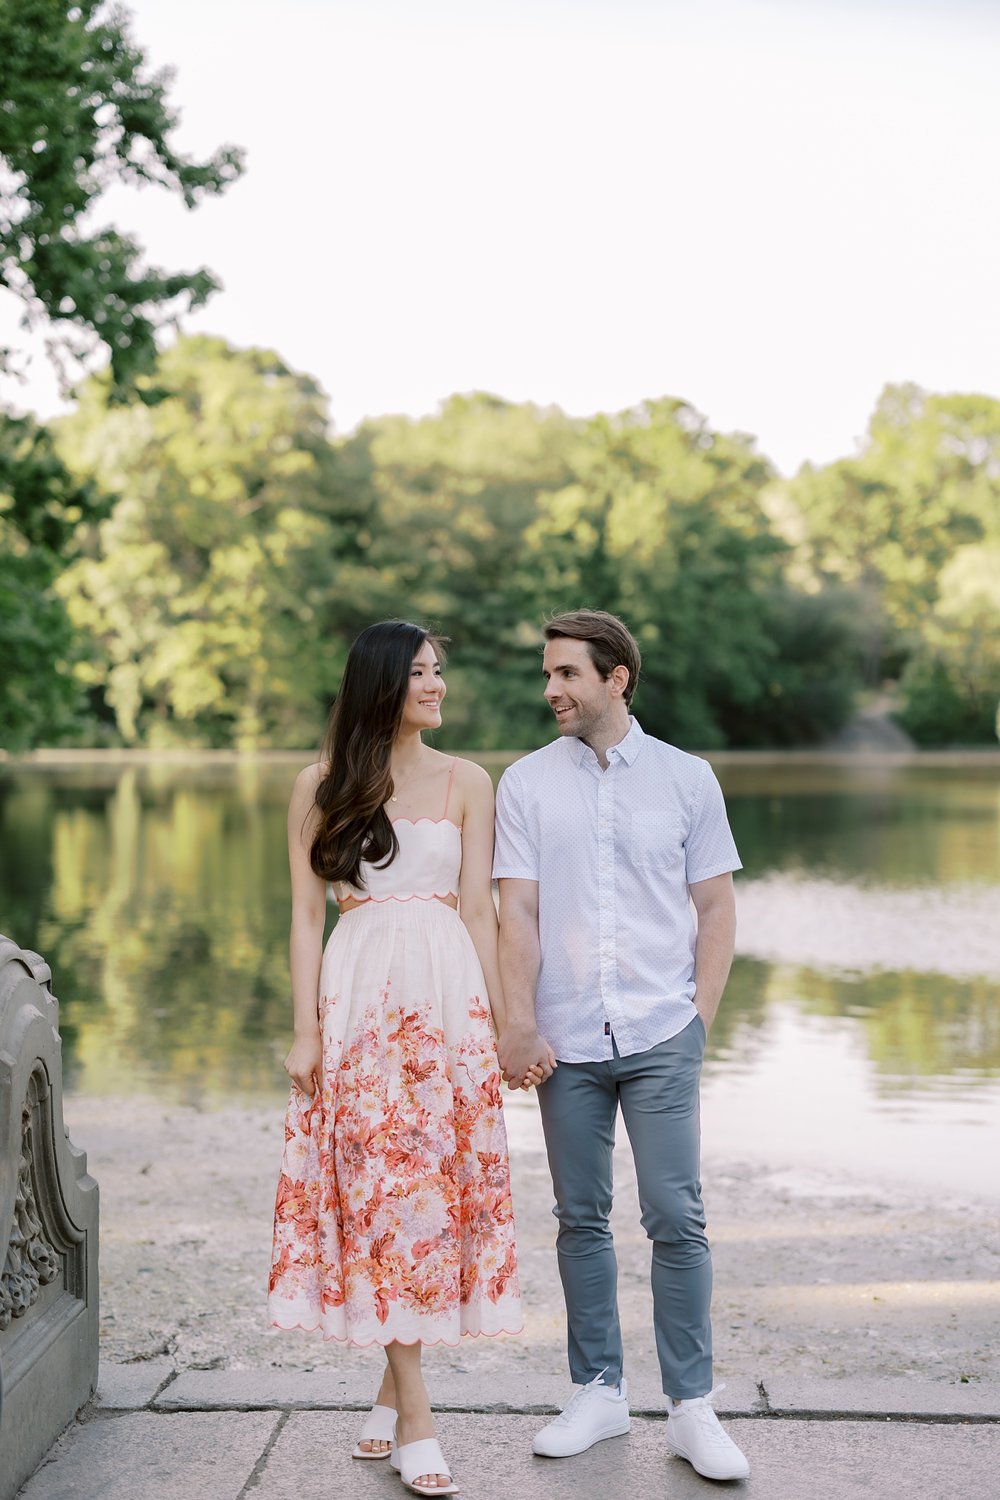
<point>48,1230</point>
<point>31,1261</point>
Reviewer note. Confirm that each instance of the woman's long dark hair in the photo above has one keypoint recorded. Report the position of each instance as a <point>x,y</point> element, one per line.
<point>362,728</point>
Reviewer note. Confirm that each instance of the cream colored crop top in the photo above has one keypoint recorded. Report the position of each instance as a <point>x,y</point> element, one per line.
<point>428,863</point>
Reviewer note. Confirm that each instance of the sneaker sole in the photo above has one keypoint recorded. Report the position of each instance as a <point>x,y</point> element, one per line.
<point>744,1473</point>
<point>620,1431</point>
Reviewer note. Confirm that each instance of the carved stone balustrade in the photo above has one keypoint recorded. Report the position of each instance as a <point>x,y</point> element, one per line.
<point>48,1230</point>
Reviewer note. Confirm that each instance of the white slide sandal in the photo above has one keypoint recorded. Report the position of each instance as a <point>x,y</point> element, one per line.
<point>423,1457</point>
<point>379,1426</point>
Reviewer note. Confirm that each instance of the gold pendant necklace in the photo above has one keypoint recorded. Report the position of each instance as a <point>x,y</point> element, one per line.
<point>402,787</point>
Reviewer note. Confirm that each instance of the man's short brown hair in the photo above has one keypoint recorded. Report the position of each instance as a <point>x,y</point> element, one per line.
<point>609,641</point>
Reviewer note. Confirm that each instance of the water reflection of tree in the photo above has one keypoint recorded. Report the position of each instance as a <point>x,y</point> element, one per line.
<point>160,898</point>
<point>744,1005</point>
<point>915,1025</point>
<point>170,903</point>
<point>26,864</point>
<point>26,878</point>
<point>891,824</point>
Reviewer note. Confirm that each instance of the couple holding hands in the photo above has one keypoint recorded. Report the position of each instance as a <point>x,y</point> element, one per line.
<point>393,1222</point>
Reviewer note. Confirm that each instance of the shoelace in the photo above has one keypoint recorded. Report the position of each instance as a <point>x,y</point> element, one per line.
<point>700,1408</point>
<point>578,1396</point>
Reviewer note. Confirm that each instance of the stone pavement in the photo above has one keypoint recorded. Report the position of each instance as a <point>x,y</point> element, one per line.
<point>154,1434</point>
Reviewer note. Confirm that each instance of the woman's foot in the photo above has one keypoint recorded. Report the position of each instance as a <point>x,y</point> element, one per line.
<point>416,1454</point>
<point>375,1438</point>
<point>413,1432</point>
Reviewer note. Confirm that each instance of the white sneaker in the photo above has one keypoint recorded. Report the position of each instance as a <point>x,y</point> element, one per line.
<point>593,1412</point>
<point>693,1432</point>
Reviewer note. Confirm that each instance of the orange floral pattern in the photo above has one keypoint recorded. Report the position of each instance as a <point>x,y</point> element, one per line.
<point>393,1217</point>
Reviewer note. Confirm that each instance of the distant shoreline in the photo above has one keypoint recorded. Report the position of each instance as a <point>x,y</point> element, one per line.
<point>67,758</point>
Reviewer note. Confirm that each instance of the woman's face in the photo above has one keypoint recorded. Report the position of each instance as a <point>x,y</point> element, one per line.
<point>422,709</point>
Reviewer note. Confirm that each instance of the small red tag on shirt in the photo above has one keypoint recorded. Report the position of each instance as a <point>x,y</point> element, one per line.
<point>607,1028</point>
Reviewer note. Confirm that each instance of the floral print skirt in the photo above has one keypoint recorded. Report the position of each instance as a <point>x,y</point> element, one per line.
<point>393,1217</point>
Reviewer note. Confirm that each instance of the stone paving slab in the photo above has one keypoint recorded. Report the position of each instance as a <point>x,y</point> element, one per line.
<point>865,1396</point>
<point>492,1456</point>
<point>133,1386</point>
<point>145,1456</point>
<point>273,1455</point>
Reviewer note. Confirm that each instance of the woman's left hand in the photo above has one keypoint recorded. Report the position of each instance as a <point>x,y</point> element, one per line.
<point>534,1076</point>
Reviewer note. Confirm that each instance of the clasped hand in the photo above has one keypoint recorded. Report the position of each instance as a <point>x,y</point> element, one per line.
<point>526,1059</point>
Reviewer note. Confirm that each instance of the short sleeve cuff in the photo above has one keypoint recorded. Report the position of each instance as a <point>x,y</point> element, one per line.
<point>503,870</point>
<point>694,877</point>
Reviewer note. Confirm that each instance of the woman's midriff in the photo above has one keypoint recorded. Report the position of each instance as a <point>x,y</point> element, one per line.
<point>351,903</point>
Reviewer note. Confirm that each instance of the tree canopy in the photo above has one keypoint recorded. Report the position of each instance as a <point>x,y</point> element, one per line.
<point>242,548</point>
<point>41,506</point>
<point>192,570</point>
<point>81,111</point>
<point>201,596</point>
<point>913,524</point>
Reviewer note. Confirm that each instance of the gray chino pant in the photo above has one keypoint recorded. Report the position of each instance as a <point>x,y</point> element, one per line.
<point>658,1094</point>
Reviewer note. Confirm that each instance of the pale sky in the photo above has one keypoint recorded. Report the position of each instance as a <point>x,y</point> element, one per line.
<point>767,207</point>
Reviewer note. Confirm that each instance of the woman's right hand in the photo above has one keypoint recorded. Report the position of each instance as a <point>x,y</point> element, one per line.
<point>304,1063</point>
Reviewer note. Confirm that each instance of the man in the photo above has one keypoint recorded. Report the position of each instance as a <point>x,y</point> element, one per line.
<point>605,838</point>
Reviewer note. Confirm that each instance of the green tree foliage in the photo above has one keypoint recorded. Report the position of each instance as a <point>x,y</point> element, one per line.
<point>663,525</point>
<point>202,597</point>
<point>244,551</point>
<point>951,684</point>
<point>215,599</point>
<point>926,483</point>
<point>453,496</point>
<point>38,698</point>
<point>813,669</point>
<point>81,112</point>
<point>493,515</point>
<point>896,523</point>
<point>40,507</point>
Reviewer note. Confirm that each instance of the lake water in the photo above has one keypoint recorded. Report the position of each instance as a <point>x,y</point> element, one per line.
<point>860,1033</point>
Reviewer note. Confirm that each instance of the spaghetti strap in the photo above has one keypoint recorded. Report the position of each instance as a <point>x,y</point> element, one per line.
<point>451,778</point>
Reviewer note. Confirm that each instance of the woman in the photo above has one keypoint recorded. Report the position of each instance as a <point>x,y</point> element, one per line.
<point>393,1222</point>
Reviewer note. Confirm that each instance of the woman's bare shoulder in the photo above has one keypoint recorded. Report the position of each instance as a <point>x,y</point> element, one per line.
<point>308,780</point>
<point>314,774</point>
<point>472,778</point>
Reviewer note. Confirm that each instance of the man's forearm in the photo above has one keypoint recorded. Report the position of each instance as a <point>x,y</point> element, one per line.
<point>520,960</point>
<point>713,958</point>
<point>519,1047</point>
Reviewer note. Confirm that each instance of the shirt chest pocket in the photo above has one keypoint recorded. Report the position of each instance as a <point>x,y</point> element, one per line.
<point>656,837</point>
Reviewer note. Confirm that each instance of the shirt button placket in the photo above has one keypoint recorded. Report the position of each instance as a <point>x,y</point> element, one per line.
<point>606,895</point>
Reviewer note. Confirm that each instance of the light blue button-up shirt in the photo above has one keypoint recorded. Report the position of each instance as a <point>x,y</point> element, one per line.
<point>614,853</point>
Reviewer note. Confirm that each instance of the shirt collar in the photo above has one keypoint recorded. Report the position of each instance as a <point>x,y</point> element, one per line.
<point>626,749</point>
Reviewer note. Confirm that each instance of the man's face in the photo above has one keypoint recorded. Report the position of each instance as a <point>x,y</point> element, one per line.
<point>575,691</point>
